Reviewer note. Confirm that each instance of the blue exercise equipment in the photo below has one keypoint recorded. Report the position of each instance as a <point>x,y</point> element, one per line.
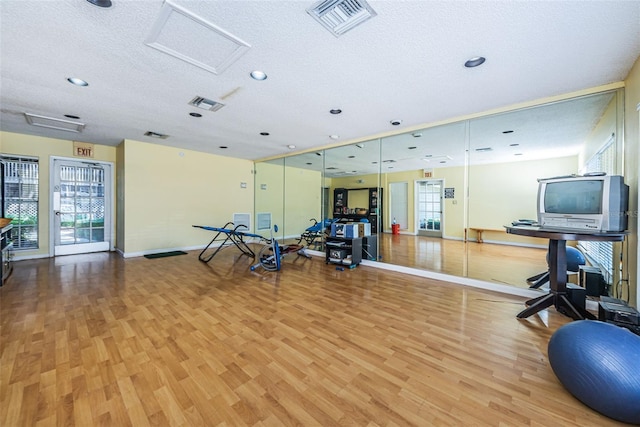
<point>599,364</point>
<point>270,256</point>
<point>314,234</point>
<point>574,260</point>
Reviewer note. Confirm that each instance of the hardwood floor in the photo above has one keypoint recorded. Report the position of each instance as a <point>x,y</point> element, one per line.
<point>101,340</point>
<point>504,264</point>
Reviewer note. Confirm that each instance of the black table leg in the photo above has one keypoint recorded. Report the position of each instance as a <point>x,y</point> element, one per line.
<point>538,304</point>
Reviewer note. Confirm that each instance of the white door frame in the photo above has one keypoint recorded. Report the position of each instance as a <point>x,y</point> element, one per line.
<point>109,228</point>
<point>417,182</point>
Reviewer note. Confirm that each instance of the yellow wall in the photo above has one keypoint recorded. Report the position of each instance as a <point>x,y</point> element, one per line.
<point>453,210</point>
<point>269,193</point>
<point>602,134</point>
<point>502,192</point>
<point>120,197</point>
<point>167,190</point>
<point>302,199</point>
<point>44,148</point>
<point>631,172</point>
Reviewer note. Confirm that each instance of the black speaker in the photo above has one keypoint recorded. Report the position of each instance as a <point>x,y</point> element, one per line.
<point>592,280</point>
<point>577,296</point>
<point>370,247</point>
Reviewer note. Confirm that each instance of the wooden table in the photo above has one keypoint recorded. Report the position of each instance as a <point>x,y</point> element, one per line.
<point>557,295</point>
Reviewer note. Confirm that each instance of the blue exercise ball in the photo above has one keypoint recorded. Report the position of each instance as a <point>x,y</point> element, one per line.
<point>574,259</point>
<point>599,363</point>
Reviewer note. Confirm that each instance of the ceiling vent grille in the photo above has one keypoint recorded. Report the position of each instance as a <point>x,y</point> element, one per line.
<point>340,16</point>
<point>53,123</point>
<point>206,104</point>
<point>156,135</point>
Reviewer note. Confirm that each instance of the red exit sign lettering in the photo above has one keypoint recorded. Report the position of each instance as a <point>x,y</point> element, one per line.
<point>82,149</point>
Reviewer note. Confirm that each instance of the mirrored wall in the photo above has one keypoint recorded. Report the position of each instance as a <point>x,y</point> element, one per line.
<point>449,189</point>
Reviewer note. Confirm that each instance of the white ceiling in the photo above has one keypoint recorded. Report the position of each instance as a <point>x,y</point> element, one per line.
<point>405,63</point>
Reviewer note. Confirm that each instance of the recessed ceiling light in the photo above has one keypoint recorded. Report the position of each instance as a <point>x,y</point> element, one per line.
<point>374,163</point>
<point>224,147</point>
<point>518,154</point>
<point>71,116</point>
<point>507,131</point>
<point>360,145</point>
<point>264,133</point>
<point>395,122</point>
<point>309,163</point>
<point>513,145</point>
<point>195,114</point>
<point>416,135</point>
<point>258,75</point>
<point>443,161</point>
<point>334,136</point>
<point>291,146</point>
<point>352,157</point>
<point>100,3</point>
<point>412,148</point>
<point>335,111</point>
<point>76,81</point>
<point>474,62</point>
<point>318,154</point>
<point>484,149</point>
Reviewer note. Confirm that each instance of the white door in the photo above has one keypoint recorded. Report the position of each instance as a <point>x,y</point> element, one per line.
<point>398,204</point>
<point>429,195</point>
<point>81,202</point>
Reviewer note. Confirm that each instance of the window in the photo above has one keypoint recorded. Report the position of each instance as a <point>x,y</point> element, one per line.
<point>601,253</point>
<point>21,200</point>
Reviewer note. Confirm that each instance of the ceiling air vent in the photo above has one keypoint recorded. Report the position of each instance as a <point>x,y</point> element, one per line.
<point>340,16</point>
<point>206,104</point>
<point>156,135</point>
<point>53,123</point>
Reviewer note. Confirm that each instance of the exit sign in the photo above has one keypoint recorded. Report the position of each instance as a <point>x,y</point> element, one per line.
<point>83,149</point>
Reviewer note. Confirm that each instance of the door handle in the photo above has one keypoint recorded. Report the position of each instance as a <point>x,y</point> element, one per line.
<point>57,213</point>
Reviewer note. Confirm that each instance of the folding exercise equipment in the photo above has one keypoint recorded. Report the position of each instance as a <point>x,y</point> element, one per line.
<point>271,254</point>
<point>232,236</point>
<point>313,235</point>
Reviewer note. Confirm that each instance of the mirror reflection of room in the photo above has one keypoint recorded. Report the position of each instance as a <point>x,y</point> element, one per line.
<point>452,188</point>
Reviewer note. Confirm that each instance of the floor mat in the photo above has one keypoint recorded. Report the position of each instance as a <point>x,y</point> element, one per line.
<point>164,254</point>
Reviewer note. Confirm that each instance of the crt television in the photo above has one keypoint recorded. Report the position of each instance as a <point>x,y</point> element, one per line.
<point>597,203</point>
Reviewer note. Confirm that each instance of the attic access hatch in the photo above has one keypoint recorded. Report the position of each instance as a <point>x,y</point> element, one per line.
<point>340,16</point>
<point>182,34</point>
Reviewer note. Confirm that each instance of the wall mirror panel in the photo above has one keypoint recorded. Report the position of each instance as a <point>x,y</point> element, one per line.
<point>304,196</point>
<point>423,173</point>
<point>269,198</point>
<point>444,193</point>
<point>508,153</point>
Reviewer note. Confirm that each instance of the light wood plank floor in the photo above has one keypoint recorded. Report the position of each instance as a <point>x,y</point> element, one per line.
<point>503,264</point>
<point>100,340</point>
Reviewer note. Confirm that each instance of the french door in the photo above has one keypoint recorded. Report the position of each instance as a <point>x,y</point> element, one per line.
<point>81,203</point>
<point>429,194</point>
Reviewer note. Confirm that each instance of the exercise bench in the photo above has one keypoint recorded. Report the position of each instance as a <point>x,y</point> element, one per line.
<point>232,236</point>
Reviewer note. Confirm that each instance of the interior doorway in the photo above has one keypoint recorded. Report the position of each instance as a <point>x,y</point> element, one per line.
<point>81,201</point>
<point>429,194</point>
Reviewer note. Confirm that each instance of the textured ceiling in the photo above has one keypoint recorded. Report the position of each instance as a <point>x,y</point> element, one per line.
<point>406,63</point>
